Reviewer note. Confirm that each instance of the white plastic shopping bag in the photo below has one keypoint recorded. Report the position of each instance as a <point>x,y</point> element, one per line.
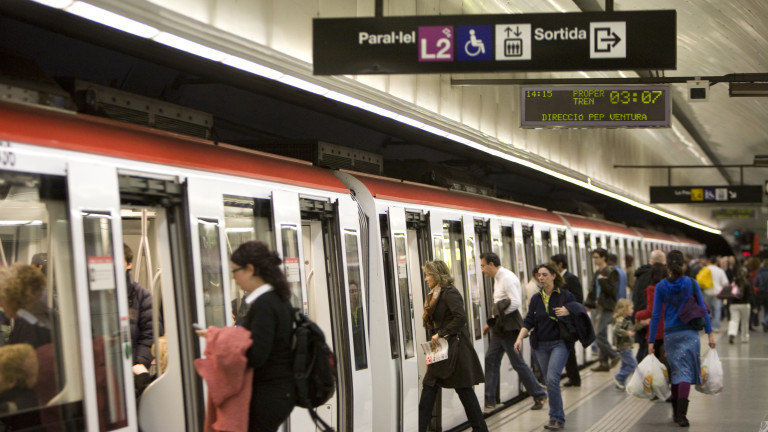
<point>711,374</point>
<point>650,379</point>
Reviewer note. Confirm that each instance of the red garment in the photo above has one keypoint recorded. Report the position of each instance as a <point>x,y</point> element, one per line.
<point>648,311</point>
<point>230,380</point>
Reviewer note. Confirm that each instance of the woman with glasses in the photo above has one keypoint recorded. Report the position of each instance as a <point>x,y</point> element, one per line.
<point>269,318</point>
<point>544,310</point>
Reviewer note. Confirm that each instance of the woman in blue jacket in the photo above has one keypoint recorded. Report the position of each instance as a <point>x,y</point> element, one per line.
<point>544,310</point>
<point>681,341</point>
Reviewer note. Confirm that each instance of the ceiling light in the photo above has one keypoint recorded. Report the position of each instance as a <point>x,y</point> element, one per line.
<point>58,4</point>
<point>111,19</point>
<point>737,89</point>
<point>251,67</point>
<point>191,47</point>
<point>303,85</point>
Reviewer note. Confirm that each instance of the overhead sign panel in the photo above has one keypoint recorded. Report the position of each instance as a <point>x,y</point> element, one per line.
<point>595,106</point>
<point>489,43</point>
<point>706,194</point>
<point>733,213</point>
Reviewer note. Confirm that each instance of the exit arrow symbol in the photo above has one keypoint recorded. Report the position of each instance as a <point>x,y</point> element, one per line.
<point>616,39</point>
<point>517,31</point>
<point>732,194</point>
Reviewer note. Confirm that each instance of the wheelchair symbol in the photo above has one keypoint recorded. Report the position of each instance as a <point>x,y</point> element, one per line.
<point>474,42</point>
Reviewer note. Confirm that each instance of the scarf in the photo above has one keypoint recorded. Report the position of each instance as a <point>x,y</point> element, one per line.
<point>429,307</point>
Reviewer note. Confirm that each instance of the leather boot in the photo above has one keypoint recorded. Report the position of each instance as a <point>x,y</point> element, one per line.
<point>682,410</point>
<point>675,415</point>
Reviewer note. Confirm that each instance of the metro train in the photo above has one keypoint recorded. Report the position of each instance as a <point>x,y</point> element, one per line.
<point>76,186</point>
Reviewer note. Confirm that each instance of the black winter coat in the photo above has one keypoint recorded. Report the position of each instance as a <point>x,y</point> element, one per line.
<point>450,321</point>
<point>140,312</point>
<point>642,280</point>
<point>573,285</point>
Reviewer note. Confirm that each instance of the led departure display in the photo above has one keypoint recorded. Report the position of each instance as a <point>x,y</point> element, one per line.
<point>595,106</point>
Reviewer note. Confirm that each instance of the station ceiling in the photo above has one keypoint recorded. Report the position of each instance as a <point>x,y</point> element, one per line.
<point>715,38</point>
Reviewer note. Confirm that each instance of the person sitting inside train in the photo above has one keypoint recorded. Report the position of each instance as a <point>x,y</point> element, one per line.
<point>18,375</point>
<point>140,314</point>
<point>21,297</point>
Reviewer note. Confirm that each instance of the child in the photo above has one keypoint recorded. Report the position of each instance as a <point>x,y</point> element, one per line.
<point>623,334</point>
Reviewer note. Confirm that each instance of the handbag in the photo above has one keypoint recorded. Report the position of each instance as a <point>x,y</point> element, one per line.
<point>733,292</point>
<point>444,369</point>
<point>565,333</point>
<point>692,313</point>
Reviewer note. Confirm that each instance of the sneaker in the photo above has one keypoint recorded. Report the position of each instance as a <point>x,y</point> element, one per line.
<point>538,404</point>
<point>489,409</point>
<point>554,425</point>
<point>601,368</point>
<point>619,385</point>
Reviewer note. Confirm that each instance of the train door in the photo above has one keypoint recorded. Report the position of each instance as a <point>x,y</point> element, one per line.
<point>570,242</point>
<point>153,225</point>
<point>503,246</point>
<point>336,295</point>
<point>110,391</point>
<point>397,255</point>
<point>36,224</point>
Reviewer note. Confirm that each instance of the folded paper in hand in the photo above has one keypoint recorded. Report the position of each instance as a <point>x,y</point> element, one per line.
<point>435,355</point>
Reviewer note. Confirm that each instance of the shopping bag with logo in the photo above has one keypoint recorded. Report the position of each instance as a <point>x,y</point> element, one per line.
<point>711,374</point>
<point>650,379</point>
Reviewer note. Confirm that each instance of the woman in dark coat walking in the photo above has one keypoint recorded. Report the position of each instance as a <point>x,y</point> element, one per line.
<point>444,317</point>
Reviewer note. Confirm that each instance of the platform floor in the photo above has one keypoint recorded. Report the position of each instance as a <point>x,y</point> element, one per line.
<point>597,406</point>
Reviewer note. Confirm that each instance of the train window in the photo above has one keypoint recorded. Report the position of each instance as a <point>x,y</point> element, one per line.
<point>291,267</point>
<point>453,253</point>
<point>437,248</point>
<point>105,320</point>
<point>390,290</point>
<point>355,292</point>
<point>246,219</point>
<point>406,299</point>
<point>474,289</point>
<point>508,243</point>
<point>210,265</point>
<point>35,234</point>
<point>546,245</point>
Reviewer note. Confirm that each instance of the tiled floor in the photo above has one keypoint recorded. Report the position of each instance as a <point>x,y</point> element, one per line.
<point>597,406</point>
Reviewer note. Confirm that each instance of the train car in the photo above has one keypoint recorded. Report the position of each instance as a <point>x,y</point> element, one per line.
<point>75,187</point>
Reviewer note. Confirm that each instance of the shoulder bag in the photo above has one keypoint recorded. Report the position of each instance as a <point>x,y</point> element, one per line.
<point>692,313</point>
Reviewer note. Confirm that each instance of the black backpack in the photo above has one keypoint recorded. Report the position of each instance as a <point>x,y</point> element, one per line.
<point>314,366</point>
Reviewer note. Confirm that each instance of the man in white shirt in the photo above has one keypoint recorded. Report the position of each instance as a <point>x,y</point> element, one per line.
<point>506,286</point>
<point>719,281</point>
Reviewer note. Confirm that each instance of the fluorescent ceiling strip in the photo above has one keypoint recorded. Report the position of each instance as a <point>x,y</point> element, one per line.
<point>251,67</point>
<point>303,85</point>
<point>119,22</point>
<point>58,4</point>
<point>110,19</point>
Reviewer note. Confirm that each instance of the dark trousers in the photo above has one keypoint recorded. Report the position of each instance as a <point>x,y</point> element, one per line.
<point>641,337</point>
<point>468,399</point>
<point>572,368</point>
<point>270,405</point>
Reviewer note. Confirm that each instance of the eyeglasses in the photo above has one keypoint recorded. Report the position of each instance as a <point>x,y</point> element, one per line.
<point>236,270</point>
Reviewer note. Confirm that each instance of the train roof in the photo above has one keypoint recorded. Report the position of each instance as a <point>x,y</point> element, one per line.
<point>582,222</point>
<point>84,133</point>
<point>399,190</point>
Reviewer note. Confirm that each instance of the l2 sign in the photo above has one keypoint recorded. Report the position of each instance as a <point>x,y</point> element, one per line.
<point>488,43</point>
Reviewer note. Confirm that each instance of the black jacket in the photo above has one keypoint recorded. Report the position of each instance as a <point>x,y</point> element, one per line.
<point>542,323</point>
<point>579,321</point>
<point>642,280</point>
<point>140,313</point>
<point>573,285</point>
<point>451,321</point>
<point>609,289</point>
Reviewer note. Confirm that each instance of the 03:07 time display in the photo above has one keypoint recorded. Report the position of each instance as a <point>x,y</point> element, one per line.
<point>626,96</point>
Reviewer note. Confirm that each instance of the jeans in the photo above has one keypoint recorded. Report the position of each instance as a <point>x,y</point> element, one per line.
<point>714,310</point>
<point>500,345</point>
<point>552,356</point>
<point>466,396</point>
<point>603,318</point>
<point>628,365</point>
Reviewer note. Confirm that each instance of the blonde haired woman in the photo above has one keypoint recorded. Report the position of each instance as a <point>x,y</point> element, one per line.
<point>444,317</point>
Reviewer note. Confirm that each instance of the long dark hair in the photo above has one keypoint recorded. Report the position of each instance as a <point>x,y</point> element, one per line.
<point>266,264</point>
<point>675,263</point>
<point>658,272</point>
